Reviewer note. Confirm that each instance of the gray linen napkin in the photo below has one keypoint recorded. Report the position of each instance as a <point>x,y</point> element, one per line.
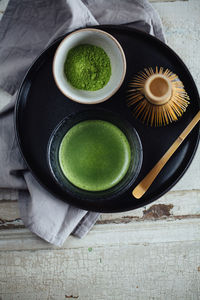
<point>27,27</point>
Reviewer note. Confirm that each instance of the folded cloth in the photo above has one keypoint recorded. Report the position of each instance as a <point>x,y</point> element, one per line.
<point>26,28</point>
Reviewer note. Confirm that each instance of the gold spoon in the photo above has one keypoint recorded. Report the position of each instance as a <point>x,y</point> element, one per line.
<point>143,186</point>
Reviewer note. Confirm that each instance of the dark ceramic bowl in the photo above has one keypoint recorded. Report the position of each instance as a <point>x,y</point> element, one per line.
<point>98,114</point>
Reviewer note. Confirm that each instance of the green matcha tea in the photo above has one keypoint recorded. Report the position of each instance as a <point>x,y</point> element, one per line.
<point>87,67</point>
<point>94,155</point>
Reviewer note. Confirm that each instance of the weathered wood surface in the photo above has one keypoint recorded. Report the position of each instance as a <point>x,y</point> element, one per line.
<point>156,261</point>
<point>146,232</point>
<point>175,205</point>
<point>112,272</point>
<point>149,253</point>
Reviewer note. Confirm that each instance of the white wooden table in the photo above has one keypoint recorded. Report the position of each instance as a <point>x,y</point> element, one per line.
<point>149,253</point>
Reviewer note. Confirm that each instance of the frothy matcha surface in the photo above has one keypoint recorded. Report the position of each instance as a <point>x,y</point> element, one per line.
<point>94,155</point>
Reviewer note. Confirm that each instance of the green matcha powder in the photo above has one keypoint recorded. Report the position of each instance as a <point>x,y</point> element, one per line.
<point>87,67</point>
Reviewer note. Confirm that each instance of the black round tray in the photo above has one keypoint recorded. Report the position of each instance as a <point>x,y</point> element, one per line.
<point>41,106</point>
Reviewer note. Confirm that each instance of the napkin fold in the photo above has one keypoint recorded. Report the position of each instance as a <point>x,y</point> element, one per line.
<point>26,28</point>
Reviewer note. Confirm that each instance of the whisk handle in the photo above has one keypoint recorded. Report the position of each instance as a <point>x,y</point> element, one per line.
<point>144,185</point>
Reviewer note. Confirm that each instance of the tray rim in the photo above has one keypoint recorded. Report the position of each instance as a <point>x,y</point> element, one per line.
<point>19,93</point>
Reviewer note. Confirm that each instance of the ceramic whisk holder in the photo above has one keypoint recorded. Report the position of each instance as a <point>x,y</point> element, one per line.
<point>158,89</point>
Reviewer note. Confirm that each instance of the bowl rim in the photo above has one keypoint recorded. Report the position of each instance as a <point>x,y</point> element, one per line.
<point>123,59</point>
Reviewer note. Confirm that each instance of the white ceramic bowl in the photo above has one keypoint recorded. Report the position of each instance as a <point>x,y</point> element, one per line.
<point>111,47</point>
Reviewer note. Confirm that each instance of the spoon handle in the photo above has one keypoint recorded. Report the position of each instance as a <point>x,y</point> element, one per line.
<point>143,186</point>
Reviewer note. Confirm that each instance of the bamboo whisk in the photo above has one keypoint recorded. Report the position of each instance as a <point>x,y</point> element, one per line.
<point>157,98</point>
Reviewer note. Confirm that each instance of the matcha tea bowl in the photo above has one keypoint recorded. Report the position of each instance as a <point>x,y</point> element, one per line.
<point>89,66</point>
<point>94,154</point>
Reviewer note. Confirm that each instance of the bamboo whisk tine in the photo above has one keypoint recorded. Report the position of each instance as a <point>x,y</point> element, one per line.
<point>157,97</point>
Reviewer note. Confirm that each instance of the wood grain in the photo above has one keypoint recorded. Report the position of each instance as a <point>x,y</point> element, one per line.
<point>152,261</point>
<point>172,206</point>
<point>147,232</point>
<point>90,275</point>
